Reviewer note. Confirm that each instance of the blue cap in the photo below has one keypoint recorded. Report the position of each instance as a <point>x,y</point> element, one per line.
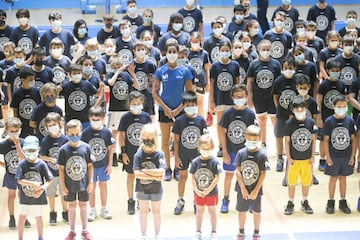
<point>31,142</point>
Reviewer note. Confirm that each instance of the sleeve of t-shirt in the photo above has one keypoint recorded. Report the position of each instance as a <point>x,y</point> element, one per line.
<point>237,69</point>
<point>263,162</point>
<point>34,115</point>
<point>109,140</point>
<point>287,131</point>
<point>19,172</point>
<point>161,44</point>
<point>193,166</point>
<point>326,128</point>
<point>136,164</point>
<point>333,14</point>
<point>352,129</point>
<point>310,16</point>
<point>224,120</point>
<point>251,70</point>
<point>61,157</point>
<point>162,162</point>
<point>15,101</point>
<point>122,124</point>
<point>275,89</point>
<point>45,172</point>
<point>43,148</point>
<point>213,72</point>
<point>237,160</point>
<point>354,86</point>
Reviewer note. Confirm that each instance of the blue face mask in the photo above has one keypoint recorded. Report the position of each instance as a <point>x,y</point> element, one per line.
<point>87,70</point>
<point>240,101</point>
<point>224,55</point>
<point>74,139</point>
<point>340,111</point>
<point>181,61</point>
<point>251,145</point>
<point>92,53</point>
<point>191,110</point>
<point>334,75</point>
<point>50,99</point>
<point>147,20</point>
<point>82,31</point>
<point>136,109</point>
<point>300,58</point>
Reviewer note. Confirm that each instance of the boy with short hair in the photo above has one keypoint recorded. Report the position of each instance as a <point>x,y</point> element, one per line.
<point>133,17</point>
<point>76,176</point>
<point>101,143</point>
<point>340,148</point>
<point>300,137</point>
<point>187,130</point>
<point>43,73</point>
<point>124,43</point>
<point>233,125</point>
<point>351,19</point>
<point>239,22</point>
<point>315,43</point>
<point>250,172</point>
<point>34,177</point>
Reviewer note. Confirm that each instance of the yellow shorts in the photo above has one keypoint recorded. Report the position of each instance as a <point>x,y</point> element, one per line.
<point>302,169</point>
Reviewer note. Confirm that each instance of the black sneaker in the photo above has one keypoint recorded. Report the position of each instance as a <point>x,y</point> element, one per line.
<point>289,208</point>
<point>284,182</point>
<point>168,174</point>
<point>220,152</point>
<point>330,206</point>
<point>176,174</point>
<point>12,223</point>
<point>179,207</point>
<point>65,217</point>
<point>131,207</point>
<point>344,207</point>
<point>315,181</point>
<point>53,216</point>
<point>322,165</point>
<point>280,165</point>
<point>305,207</point>
<point>115,160</point>
<point>27,224</point>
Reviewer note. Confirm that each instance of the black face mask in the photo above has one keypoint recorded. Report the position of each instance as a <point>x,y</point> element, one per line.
<point>39,63</point>
<point>108,25</point>
<point>2,22</point>
<point>148,142</point>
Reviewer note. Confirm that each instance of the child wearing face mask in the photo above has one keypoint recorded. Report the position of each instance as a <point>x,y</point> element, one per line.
<point>315,43</point>
<point>300,137</point>
<point>129,128</point>
<point>187,130</point>
<point>351,19</point>
<point>239,22</point>
<point>233,126</point>
<point>340,149</point>
<point>149,25</point>
<point>153,54</point>
<point>292,15</point>
<point>224,74</point>
<point>93,50</point>
<point>43,73</point>
<point>328,90</point>
<point>203,167</point>
<point>76,184</point>
<point>149,167</point>
<point>49,150</point>
<point>193,18</point>
<point>12,152</point>
<point>25,100</point>
<point>252,159</point>
<point>102,145</point>
<point>133,17</point>
<point>283,91</point>
<point>124,43</point>
<point>33,176</point>
<point>109,50</point>
<point>240,55</point>
<point>48,94</point>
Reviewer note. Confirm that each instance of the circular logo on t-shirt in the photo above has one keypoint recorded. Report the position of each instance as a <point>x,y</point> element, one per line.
<point>26,107</point>
<point>93,99</point>
<point>76,168</point>
<point>203,177</point>
<point>190,136</point>
<point>73,51</point>
<point>38,84</point>
<point>277,49</point>
<point>147,165</point>
<point>285,98</point>
<point>133,29</point>
<point>98,148</point>
<point>59,74</point>
<point>120,90</point>
<point>143,80</point>
<point>17,83</point>
<point>215,54</point>
<point>329,98</point>
<point>26,44</point>
<point>340,138</point>
<point>133,133</point>
<point>347,75</point>
<point>301,139</point>
<point>77,100</point>
<point>289,24</point>
<point>3,40</point>
<point>236,131</point>
<point>126,56</point>
<point>250,172</point>
<point>12,161</point>
<point>264,78</point>
<point>53,153</point>
<point>197,64</point>
<point>322,22</point>
<point>242,74</point>
<point>189,24</point>
<point>224,81</point>
<point>42,128</point>
<point>31,176</point>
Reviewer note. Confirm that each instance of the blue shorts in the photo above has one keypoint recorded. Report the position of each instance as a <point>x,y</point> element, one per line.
<point>82,196</point>
<point>279,129</point>
<point>10,182</point>
<point>340,167</point>
<point>264,105</point>
<point>243,205</point>
<point>100,175</point>
<point>230,167</point>
<point>152,197</point>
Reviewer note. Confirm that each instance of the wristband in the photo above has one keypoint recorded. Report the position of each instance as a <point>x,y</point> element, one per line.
<point>122,149</point>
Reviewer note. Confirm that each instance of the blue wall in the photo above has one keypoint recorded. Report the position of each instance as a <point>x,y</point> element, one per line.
<point>43,4</point>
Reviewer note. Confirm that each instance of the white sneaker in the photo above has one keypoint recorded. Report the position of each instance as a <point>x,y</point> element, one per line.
<point>197,236</point>
<point>213,236</point>
<point>105,214</point>
<point>92,215</point>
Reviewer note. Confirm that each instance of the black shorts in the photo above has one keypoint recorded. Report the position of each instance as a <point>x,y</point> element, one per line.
<point>264,105</point>
<point>320,134</point>
<point>129,167</point>
<point>279,129</point>
<point>185,164</point>
<point>82,196</point>
<point>200,90</point>
<point>340,167</point>
<point>165,119</point>
<point>243,205</point>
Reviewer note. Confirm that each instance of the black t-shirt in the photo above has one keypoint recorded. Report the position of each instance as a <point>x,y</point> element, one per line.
<point>285,89</point>
<point>26,39</point>
<point>119,92</point>
<point>11,158</point>
<point>102,35</point>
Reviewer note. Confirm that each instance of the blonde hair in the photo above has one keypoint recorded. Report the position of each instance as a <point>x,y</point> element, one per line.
<point>47,87</point>
<point>253,130</point>
<point>73,123</point>
<point>150,128</point>
<point>91,42</point>
<point>13,122</point>
<point>206,139</point>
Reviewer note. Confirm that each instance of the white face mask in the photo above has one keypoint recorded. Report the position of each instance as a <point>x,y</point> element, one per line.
<point>32,156</point>
<point>109,50</point>
<point>239,101</point>
<point>348,49</point>
<point>252,145</point>
<point>303,92</point>
<point>205,153</point>
<point>125,32</point>
<point>246,45</point>
<point>288,73</point>
<point>311,34</point>
<point>56,23</point>
<point>300,115</point>
<point>96,124</point>
<point>149,43</point>
<point>76,78</point>
<point>172,57</point>
<point>177,26</point>
<point>218,31</point>
<point>32,84</point>
<point>23,21</point>
<point>57,52</point>
<point>136,109</point>
<point>265,54</point>
<point>141,53</point>
<point>195,46</point>
<point>237,51</point>
<point>340,111</point>
<point>189,2</point>
<point>333,44</point>
<point>13,135</point>
<point>54,129</point>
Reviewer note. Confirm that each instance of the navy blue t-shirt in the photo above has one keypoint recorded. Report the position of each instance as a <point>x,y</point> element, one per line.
<point>75,161</point>
<point>132,125</point>
<point>192,19</point>
<point>211,45</point>
<point>39,114</point>
<point>101,35</point>
<point>99,141</point>
<point>235,122</point>
<point>312,107</point>
<point>119,92</point>
<point>4,37</point>
<point>292,15</point>
<point>44,76</point>
<point>11,157</point>
<point>309,69</point>
<point>99,67</point>
<point>285,89</point>
<point>243,68</point>
<point>189,131</point>
<point>26,39</point>
<point>155,160</point>
<point>155,30</point>
<point>355,88</point>
<point>205,172</point>
<point>251,164</point>
<point>125,50</point>
<point>316,45</point>
<point>329,90</point>
<point>50,147</point>
<point>349,69</point>
<point>59,67</point>
<point>281,43</point>
<point>235,27</point>
<point>77,100</point>
<point>12,77</point>
<point>65,36</point>
<point>198,60</point>
<point>339,132</point>
<point>326,53</point>
<point>300,133</point>
<point>182,38</point>
<point>135,23</point>
<point>323,19</point>
<point>38,172</point>
<point>224,76</point>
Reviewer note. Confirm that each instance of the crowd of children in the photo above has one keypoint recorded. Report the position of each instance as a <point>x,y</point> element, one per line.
<point>302,74</point>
